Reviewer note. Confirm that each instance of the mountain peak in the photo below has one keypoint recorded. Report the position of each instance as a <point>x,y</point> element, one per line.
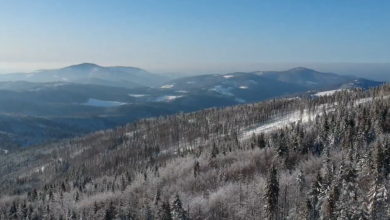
<point>85,65</point>
<point>299,69</point>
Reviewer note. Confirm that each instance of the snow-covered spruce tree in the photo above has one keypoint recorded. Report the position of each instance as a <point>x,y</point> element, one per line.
<point>271,195</point>
<point>164,213</point>
<point>261,143</point>
<point>348,206</point>
<point>378,194</point>
<point>214,151</point>
<point>109,212</point>
<point>378,200</point>
<point>314,193</point>
<point>196,169</point>
<point>178,212</point>
<point>157,197</point>
<point>147,213</point>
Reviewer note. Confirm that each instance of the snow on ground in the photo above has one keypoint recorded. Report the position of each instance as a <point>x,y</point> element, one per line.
<point>243,87</point>
<point>167,86</point>
<point>310,82</point>
<point>42,168</point>
<point>228,76</point>
<point>222,90</point>
<point>295,116</point>
<point>137,95</point>
<point>240,100</point>
<point>5,151</point>
<point>37,89</point>
<point>276,123</point>
<point>182,91</point>
<point>324,93</point>
<point>166,98</point>
<point>102,103</point>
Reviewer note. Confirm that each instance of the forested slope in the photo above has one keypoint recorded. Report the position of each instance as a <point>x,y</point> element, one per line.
<point>321,158</point>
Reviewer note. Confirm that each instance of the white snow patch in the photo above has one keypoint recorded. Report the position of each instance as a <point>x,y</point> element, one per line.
<point>310,82</point>
<point>102,103</point>
<point>222,90</point>
<point>137,95</point>
<point>167,86</point>
<point>228,76</point>
<point>243,87</point>
<point>325,93</point>
<point>190,82</point>
<point>295,116</point>
<point>182,91</point>
<point>167,98</point>
<point>240,100</point>
<point>5,151</point>
<point>42,168</point>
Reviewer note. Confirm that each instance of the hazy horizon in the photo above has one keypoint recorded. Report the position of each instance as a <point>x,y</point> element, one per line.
<point>374,71</point>
<point>194,37</point>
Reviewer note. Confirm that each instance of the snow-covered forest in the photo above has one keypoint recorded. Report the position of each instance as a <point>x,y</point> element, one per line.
<point>324,157</point>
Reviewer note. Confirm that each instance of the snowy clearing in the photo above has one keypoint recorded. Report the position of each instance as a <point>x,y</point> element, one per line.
<point>330,92</point>
<point>102,103</point>
<point>182,91</point>
<point>240,100</point>
<point>167,98</point>
<point>137,95</point>
<point>228,76</point>
<point>167,86</point>
<point>295,116</point>
<point>243,87</point>
<point>222,90</point>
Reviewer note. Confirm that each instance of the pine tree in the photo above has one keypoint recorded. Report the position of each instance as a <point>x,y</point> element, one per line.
<point>109,213</point>
<point>272,194</point>
<point>214,151</point>
<point>348,206</point>
<point>164,213</point>
<point>378,199</point>
<point>178,212</point>
<point>13,211</point>
<point>314,194</point>
<point>157,197</point>
<point>282,149</point>
<point>261,141</point>
<point>148,214</point>
<point>196,169</point>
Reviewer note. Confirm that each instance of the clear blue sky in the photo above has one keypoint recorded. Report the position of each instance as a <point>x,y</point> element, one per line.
<point>172,35</point>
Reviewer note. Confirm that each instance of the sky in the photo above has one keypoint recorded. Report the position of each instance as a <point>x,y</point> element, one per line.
<point>181,36</point>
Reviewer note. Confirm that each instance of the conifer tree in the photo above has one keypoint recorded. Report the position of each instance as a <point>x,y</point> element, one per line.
<point>157,197</point>
<point>272,194</point>
<point>178,212</point>
<point>164,213</point>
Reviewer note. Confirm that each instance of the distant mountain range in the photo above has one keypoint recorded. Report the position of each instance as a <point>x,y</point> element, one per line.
<point>306,77</point>
<point>93,74</point>
<point>87,97</point>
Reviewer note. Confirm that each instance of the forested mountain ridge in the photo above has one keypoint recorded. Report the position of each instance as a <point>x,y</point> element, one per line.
<point>331,162</point>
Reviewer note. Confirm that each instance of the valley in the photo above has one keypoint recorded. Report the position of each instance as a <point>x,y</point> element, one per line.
<point>89,97</point>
